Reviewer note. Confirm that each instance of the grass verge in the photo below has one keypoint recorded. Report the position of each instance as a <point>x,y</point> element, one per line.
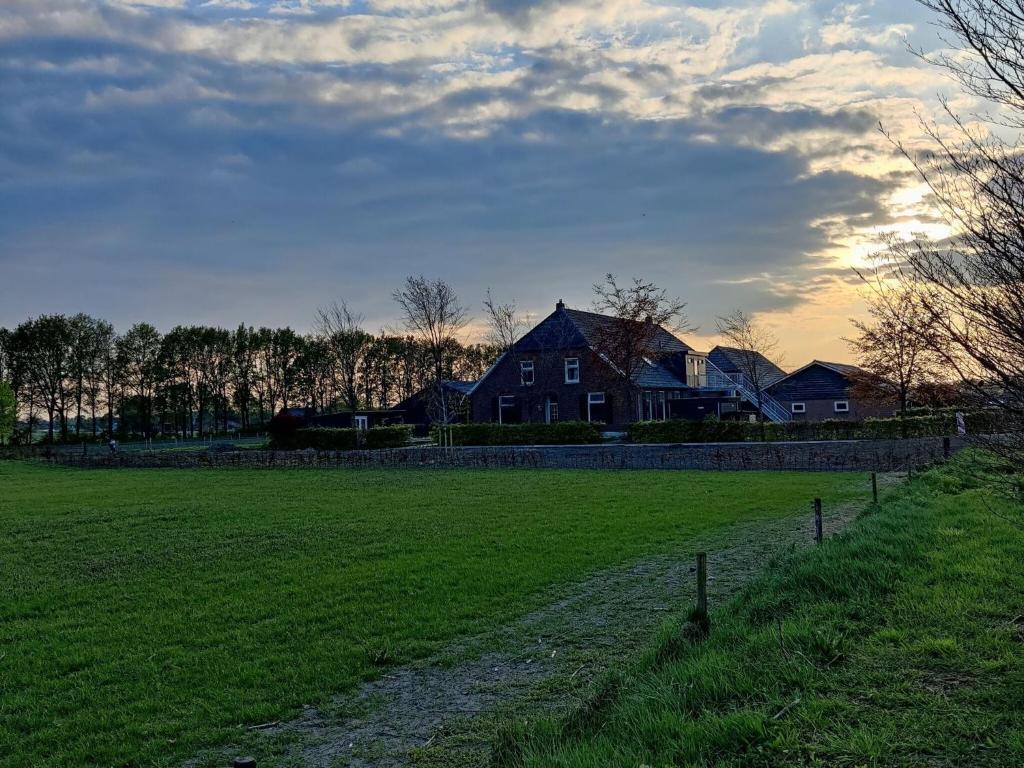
<point>147,614</point>
<point>900,643</point>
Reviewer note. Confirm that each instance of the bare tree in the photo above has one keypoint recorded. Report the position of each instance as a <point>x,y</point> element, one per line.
<point>973,286</point>
<point>896,348</point>
<point>505,324</point>
<point>343,330</point>
<point>431,312</point>
<point>644,317</point>
<point>756,354</point>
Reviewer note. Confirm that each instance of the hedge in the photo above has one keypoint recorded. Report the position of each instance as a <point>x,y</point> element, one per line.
<point>328,439</point>
<point>560,433</point>
<point>714,431</point>
<point>387,437</point>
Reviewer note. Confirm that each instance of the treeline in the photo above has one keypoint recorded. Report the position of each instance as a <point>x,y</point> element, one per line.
<point>81,378</point>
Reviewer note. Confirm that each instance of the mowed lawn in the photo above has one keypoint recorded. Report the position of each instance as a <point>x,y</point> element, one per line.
<point>146,614</point>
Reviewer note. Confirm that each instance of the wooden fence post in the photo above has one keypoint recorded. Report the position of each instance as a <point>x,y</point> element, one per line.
<point>874,486</point>
<point>701,614</point>
<point>818,526</point>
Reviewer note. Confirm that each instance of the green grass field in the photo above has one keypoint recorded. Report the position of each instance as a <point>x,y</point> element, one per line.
<point>146,614</point>
<point>899,644</point>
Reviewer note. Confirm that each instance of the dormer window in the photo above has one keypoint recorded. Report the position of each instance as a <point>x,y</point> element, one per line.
<point>572,370</point>
<point>526,373</point>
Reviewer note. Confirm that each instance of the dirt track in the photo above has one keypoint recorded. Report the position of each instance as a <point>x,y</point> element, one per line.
<point>444,711</point>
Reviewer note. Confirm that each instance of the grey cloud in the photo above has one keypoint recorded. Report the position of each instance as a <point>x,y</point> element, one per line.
<point>516,10</point>
<point>241,195</point>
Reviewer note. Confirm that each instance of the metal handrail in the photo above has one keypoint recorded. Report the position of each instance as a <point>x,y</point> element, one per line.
<point>770,407</point>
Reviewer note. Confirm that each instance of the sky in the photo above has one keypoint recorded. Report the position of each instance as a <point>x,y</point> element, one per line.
<point>229,161</point>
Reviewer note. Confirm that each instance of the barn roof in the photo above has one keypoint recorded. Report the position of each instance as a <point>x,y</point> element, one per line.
<point>818,380</point>
<point>843,369</point>
<point>734,360</point>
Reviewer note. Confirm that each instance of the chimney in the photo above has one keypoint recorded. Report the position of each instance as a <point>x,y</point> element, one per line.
<point>560,305</point>
<point>649,320</point>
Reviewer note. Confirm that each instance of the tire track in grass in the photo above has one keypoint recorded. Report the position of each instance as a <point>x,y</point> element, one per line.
<point>444,711</point>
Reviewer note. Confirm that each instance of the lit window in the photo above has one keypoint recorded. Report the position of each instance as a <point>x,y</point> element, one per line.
<point>572,370</point>
<point>799,408</point>
<point>842,406</point>
<point>526,373</point>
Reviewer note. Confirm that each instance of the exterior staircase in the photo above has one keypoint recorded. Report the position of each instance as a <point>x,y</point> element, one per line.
<point>771,408</point>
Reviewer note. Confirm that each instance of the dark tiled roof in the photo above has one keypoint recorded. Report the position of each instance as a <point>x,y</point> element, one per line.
<point>843,368</point>
<point>656,376</point>
<point>556,331</point>
<point>733,360</point>
<point>574,329</point>
<point>816,381</point>
<point>591,325</point>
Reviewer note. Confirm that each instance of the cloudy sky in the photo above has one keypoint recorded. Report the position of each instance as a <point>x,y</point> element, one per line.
<point>221,161</point>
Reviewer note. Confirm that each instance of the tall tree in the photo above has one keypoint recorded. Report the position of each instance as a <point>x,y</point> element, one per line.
<point>243,372</point>
<point>5,354</point>
<point>432,313</point>
<point>896,348</point>
<point>349,344</point>
<point>45,347</point>
<point>282,358</point>
<point>8,412</point>
<point>973,288</point>
<point>99,345</point>
<point>505,325</point>
<point>756,354</point>
<point>138,357</point>
<point>641,314</point>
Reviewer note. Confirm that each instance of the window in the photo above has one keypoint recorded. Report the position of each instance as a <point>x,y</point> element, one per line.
<point>526,373</point>
<point>572,370</point>
<point>362,422</point>
<point>551,410</point>
<point>842,406</point>
<point>595,406</point>
<point>508,413</point>
<point>799,408</point>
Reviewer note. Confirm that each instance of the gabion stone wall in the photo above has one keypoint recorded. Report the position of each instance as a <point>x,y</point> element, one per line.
<point>840,456</point>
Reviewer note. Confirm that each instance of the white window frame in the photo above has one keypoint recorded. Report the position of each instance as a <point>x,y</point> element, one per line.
<point>362,422</point>
<point>526,366</point>
<point>594,398</point>
<point>845,406</point>
<point>798,408</point>
<point>572,363</point>
<point>551,411</point>
<point>502,406</point>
